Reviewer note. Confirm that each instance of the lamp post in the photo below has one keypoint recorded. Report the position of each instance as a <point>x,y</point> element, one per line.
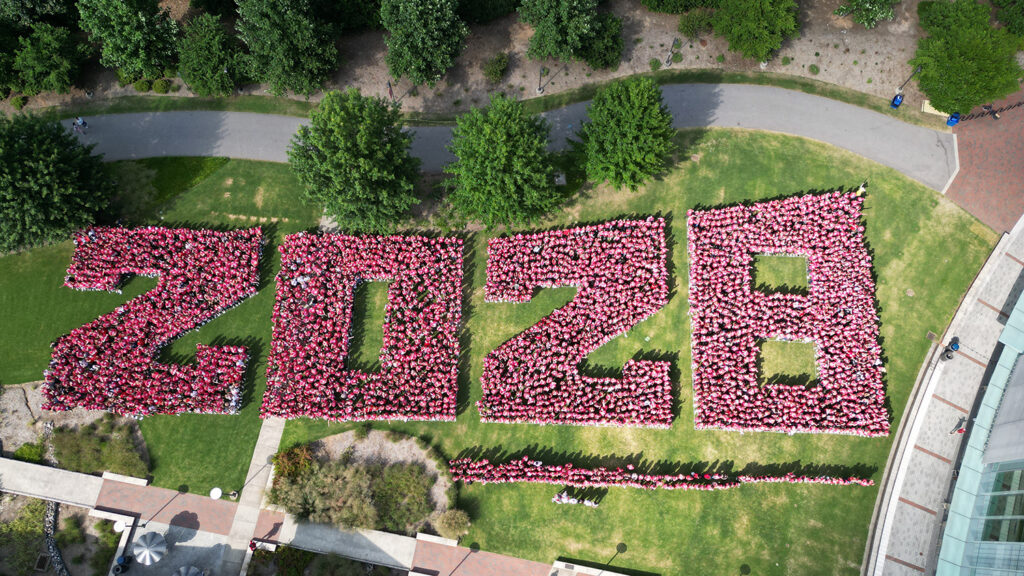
<point>915,73</point>
<point>672,48</point>
<point>540,76</point>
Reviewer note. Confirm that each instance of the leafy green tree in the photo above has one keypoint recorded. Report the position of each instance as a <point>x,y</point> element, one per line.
<point>964,62</point>
<point>221,8</point>
<point>756,28</point>
<point>604,50</point>
<point>27,12</point>
<point>50,185</point>
<point>503,172</point>
<point>8,46</point>
<point>137,37</point>
<point>868,13</point>
<point>425,37</point>
<point>333,493</point>
<point>47,60</point>
<point>561,28</point>
<point>629,135</point>
<point>354,159</point>
<point>289,47</point>
<point>206,57</point>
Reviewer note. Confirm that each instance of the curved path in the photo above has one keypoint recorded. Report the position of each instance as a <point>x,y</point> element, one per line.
<point>925,155</point>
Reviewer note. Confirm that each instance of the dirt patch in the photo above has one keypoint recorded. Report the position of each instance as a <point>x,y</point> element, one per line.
<point>22,420</point>
<point>258,198</point>
<point>376,448</point>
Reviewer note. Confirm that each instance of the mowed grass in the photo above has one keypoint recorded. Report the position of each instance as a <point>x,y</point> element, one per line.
<point>197,451</point>
<point>919,241</point>
<point>775,273</point>
<point>787,362</point>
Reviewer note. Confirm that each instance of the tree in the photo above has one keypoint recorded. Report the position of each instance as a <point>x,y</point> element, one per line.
<point>756,28</point>
<point>354,159</point>
<point>629,135</point>
<point>138,37</point>
<point>8,46</point>
<point>333,493</point>
<point>964,62</point>
<point>425,37</point>
<point>452,523</point>
<point>503,172</point>
<point>27,12</point>
<point>50,185</point>
<point>206,57</point>
<point>47,60</point>
<point>561,28</point>
<point>1011,14</point>
<point>289,47</point>
<point>604,50</point>
<point>868,13</point>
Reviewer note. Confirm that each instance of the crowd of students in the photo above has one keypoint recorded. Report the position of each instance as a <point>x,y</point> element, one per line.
<point>730,318</point>
<point>527,470</point>
<point>619,270</point>
<point>110,363</point>
<point>312,329</point>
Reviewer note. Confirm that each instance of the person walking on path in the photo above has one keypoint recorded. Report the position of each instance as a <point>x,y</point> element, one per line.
<point>80,125</point>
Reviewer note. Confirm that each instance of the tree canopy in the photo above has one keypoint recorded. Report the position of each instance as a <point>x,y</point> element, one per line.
<point>629,135</point>
<point>206,57</point>
<point>425,37</point>
<point>50,185</point>
<point>756,28</point>
<point>503,173</point>
<point>964,62</point>
<point>47,60</point>
<point>290,48</point>
<point>138,38</point>
<point>561,28</point>
<point>354,159</point>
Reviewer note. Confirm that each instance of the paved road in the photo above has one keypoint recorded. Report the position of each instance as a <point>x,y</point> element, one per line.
<point>925,155</point>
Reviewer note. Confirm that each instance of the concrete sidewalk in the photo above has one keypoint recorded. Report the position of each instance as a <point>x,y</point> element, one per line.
<point>922,154</point>
<point>46,483</point>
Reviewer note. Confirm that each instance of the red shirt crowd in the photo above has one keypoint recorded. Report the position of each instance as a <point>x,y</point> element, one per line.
<point>534,471</point>
<point>837,314</point>
<point>619,270</point>
<point>110,363</point>
<point>306,374</point>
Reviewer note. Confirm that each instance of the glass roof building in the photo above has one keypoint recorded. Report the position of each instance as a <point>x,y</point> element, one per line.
<point>984,531</point>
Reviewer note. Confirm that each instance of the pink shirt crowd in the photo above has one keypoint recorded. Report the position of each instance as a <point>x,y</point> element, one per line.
<point>110,363</point>
<point>534,471</point>
<point>306,374</point>
<point>619,270</point>
<point>838,314</point>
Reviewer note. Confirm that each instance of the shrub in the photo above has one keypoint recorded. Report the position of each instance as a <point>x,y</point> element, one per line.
<point>18,102</point>
<point>90,450</point>
<point>495,68</point>
<point>162,86</point>
<point>678,6</point>
<point>106,549</point>
<point>786,60</point>
<point>452,523</point>
<point>604,50</point>
<point>720,58</point>
<point>867,13</point>
<point>292,462</point>
<point>562,28</point>
<point>170,72</point>
<point>125,78</point>
<point>479,11</point>
<point>23,537</point>
<point>425,37</point>
<point>47,60</point>
<point>30,452</point>
<point>695,22</point>
<point>362,431</point>
<point>71,531</point>
<point>401,493</point>
<point>655,64</point>
<point>334,493</point>
<point>142,85</point>
<point>677,57</point>
<point>813,69</point>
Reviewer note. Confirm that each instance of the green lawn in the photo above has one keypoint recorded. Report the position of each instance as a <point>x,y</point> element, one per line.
<point>787,363</point>
<point>774,273</point>
<point>919,240</point>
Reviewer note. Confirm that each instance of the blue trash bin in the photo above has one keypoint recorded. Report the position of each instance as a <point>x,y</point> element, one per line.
<point>896,101</point>
<point>953,119</point>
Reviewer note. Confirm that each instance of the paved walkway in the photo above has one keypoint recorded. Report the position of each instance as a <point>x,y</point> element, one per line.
<point>925,155</point>
<point>990,184</point>
<point>243,525</point>
<point>151,503</point>
<point>916,488</point>
<point>38,481</point>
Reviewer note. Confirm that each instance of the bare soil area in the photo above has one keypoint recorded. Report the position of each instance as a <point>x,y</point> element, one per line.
<point>870,61</point>
<point>22,420</point>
